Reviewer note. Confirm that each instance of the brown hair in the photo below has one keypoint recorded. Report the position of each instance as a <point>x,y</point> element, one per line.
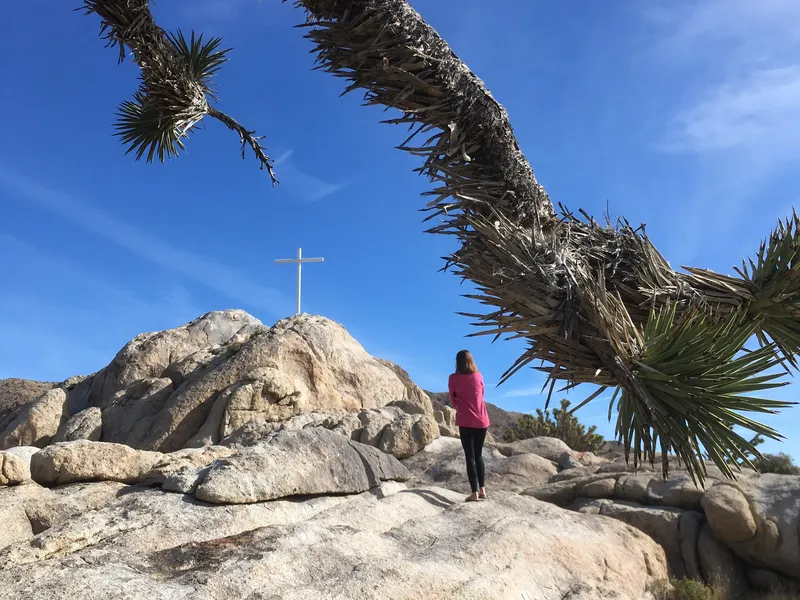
<point>465,364</point>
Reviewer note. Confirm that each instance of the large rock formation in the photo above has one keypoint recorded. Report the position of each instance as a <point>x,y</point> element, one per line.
<point>726,530</point>
<point>303,513</point>
<point>225,376</point>
<point>226,459</point>
<point>390,543</point>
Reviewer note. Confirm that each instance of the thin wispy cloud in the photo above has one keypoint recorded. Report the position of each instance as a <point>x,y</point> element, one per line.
<point>48,264</point>
<point>746,31</point>
<point>742,72</point>
<point>759,111</point>
<point>209,272</point>
<point>304,186</point>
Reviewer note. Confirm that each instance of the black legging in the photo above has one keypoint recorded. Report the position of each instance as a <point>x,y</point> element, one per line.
<point>472,441</point>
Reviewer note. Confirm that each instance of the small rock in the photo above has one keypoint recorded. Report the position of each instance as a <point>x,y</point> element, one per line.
<point>186,480</point>
<point>188,459</point>
<point>689,528</point>
<point>25,453</point>
<point>546,447</point>
<point>448,431</point>
<point>531,467</point>
<point>408,435</point>
<point>729,514</point>
<point>13,469</point>
<point>719,565</point>
<point>82,460</point>
<point>445,416</point>
<point>86,425</point>
<point>603,488</point>
<point>567,460</point>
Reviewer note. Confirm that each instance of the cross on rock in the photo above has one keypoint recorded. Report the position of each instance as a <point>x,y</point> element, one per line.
<point>299,260</point>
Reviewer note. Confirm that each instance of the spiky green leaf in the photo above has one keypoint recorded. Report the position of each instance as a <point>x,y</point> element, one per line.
<point>203,58</point>
<point>693,383</point>
<point>146,132</point>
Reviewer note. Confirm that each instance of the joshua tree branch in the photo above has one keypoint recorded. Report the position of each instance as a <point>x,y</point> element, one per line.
<point>248,139</point>
<point>167,86</point>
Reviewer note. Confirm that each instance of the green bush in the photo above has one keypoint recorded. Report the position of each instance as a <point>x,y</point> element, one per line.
<point>777,463</point>
<point>683,589</point>
<point>691,589</point>
<point>560,424</point>
<point>780,463</point>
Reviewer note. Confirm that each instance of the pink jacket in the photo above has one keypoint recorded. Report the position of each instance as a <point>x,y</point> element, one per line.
<point>466,396</point>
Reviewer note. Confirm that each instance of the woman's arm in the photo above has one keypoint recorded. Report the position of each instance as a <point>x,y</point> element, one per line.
<point>451,391</point>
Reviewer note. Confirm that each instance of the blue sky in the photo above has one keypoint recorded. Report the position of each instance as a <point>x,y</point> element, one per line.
<point>684,115</point>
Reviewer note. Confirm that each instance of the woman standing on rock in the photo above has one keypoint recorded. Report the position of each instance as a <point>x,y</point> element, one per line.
<point>466,396</point>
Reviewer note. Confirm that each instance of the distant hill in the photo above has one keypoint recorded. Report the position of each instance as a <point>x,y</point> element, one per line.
<point>16,392</point>
<point>501,420</point>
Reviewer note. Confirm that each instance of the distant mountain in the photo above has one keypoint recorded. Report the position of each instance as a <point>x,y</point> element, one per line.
<point>501,420</point>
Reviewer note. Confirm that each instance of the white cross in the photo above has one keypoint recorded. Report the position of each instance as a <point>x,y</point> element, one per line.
<point>299,260</point>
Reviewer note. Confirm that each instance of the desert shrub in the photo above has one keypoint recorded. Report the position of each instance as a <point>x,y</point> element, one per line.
<point>660,589</point>
<point>683,589</point>
<point>777,463</point>
<point>558,424</point>
<point>691,589</point>
<point>780,463</point>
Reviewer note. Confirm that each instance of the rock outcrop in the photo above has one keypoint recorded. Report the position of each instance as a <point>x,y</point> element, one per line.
<point>390,543</point>
<point>725,530</point>
<point>225,376</point>
<point>82,460</point>
<point>15,393</point>
<point>501,420</point>
<point>226,459</point>
<point>86,425</point>
<point>407,435</point>
<point>297,463</point>
<point>772,502</point>
<point>38,422</point>
<point>445,417</point>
